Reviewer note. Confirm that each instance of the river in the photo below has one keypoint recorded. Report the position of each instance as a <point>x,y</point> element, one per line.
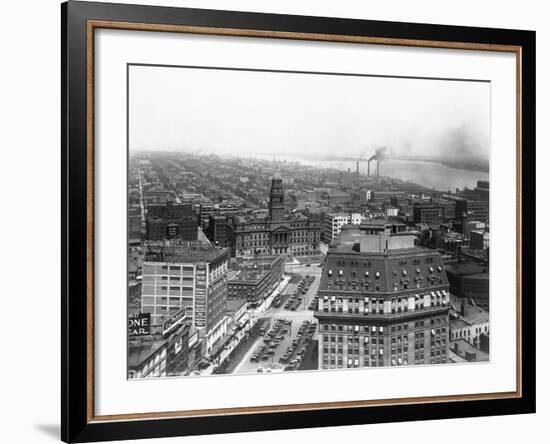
<point>428,174</point>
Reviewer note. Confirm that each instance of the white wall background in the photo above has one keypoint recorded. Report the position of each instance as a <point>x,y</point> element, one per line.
<point>30,222</point>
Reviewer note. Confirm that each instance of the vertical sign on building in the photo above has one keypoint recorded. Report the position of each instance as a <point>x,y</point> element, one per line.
<point>200,295</point>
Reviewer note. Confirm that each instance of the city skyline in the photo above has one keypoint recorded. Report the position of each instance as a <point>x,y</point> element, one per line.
<point>329,117</point>
<point>306,221</point>
<point>235,269</point>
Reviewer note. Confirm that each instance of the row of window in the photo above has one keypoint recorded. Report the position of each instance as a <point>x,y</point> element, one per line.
<point>355,362</point>
<point>381,306</point>
<point>177,268</point>
<point>185,279</point>
<point>351,328</point>
<point>467,332</point>
<point>367,286</point>
<point>380,329</point>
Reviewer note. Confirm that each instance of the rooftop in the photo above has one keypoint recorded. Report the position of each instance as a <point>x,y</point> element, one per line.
<point>472,314</point>
<point>185,253</point>
<point>157,190</point>
<point>234,304</point>
<point>464,268</point>
<point>463,347</point>
<point>353,238</point>
<point>251,276</point>
<point>337,193</point>
<point>137,355</point>
<point>406,269</point>
<point>479,276</point>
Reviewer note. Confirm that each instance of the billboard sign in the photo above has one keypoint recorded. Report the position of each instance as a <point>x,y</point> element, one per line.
<point>173,321</point>
<point>139,324</point>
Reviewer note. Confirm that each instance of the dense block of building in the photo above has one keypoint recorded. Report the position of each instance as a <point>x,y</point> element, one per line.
<point>206,209</point>
<point>471,281</point>
<point>468,322</point>
<point>217,230</point>
<point>480,192</point>
<point>382,301</point>
<point>164,355</point>
<point>431,215</point>
<point>471,210</point>
<point>134,225</point>
<point>276,232</point>
<point>169,211</point>
<point>166,221</point>
<point>158,196</point>
<point>380,196</point>
<point>159,229</point>
<point>255,281</point>
<point>337,197</point>
<point>479,240</point>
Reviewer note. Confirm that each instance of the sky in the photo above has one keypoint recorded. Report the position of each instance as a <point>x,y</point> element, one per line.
<point>249,113</point>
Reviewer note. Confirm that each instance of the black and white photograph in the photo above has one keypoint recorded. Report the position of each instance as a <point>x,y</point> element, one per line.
<point>283,221</point>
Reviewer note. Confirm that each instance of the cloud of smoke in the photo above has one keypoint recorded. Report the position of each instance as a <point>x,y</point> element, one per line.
<point>380,154</point>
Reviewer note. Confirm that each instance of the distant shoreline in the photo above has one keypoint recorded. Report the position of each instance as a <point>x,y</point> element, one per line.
<point>468,165</point>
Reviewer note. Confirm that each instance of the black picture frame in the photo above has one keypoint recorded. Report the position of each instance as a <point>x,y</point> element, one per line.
<point>76,423</point>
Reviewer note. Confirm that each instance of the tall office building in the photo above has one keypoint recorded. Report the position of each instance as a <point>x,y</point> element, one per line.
<point>183,276</point>
<point>382,301</point>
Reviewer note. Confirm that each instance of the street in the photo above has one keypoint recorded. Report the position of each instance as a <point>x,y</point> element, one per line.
<point>270,363</point>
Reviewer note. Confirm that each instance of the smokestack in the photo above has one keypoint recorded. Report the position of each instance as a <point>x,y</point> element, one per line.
<point>357,167</point>
<point>377,168</point>
<point>368,168</point>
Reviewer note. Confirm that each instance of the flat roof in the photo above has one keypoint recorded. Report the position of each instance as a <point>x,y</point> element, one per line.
<point>464,268</point>
<point>234,304</point>
<point>464,346</point>
<point>248,276</point>
<point>137,355</point>
<point>185,254</point>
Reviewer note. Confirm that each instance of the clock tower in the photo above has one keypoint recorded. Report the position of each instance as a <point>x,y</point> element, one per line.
<point>277,199</point>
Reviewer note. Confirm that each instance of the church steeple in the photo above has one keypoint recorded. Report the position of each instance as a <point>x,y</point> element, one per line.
<point>277,199</point>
